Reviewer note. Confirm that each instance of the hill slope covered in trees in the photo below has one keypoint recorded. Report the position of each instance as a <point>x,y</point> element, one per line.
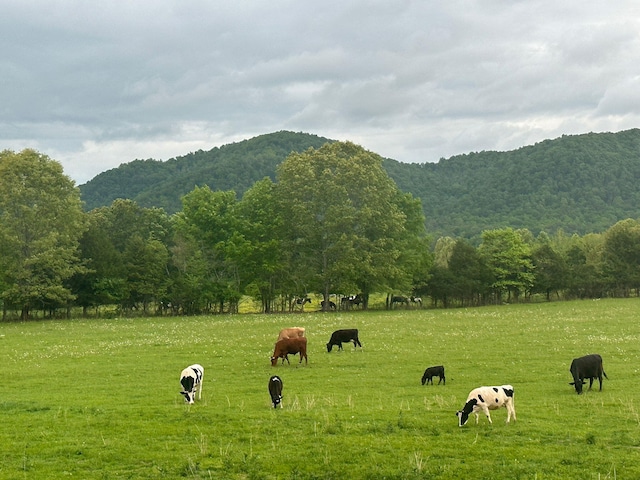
<point>579,183</point>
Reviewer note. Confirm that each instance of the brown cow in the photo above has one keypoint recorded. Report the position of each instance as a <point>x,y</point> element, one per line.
<point>293,332</point>
<point>288,346</point>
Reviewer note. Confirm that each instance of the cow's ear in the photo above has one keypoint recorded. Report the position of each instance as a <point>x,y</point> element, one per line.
<point>572,383</point>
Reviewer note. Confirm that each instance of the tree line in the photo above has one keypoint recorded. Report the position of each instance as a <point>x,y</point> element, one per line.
<point>333,221</point>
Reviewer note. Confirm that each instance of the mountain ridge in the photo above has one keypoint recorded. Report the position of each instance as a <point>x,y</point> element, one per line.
<point>579,183</point>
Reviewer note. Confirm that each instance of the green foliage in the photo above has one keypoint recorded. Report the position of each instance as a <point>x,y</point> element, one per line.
<point>508,257</point>
<point>581,183</point>
<point>41,220</point>
<point>357,414</point>
<point>234,167</point>
<point>346,223</point>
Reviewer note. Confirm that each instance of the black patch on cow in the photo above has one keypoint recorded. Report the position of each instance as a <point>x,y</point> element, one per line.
<point>480,398</point>
<point>463,415</point>
<point>495,389</point>
<point>508,392</point>
<point>187,383</point>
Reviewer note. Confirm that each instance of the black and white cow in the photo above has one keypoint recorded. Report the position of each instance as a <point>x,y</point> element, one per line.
<point>437,371</point>
<point>589,366</point>
<point>275,390</point>
<point>341,336</point>
<point>485,399</point>
<point>191,380</point>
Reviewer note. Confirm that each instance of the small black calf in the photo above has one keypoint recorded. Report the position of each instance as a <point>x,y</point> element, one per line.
<point>431,372</point>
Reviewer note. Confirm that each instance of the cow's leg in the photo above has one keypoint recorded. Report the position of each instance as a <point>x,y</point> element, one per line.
<point>485,409</point>
<point>590,382</point>
<point>600,380</point>
<point>200,389</point>
<point>511,411</point>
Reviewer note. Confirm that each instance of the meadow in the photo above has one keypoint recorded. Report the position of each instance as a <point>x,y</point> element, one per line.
<point>99,399</point>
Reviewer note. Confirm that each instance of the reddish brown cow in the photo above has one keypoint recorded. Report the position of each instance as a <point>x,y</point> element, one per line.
<point>292,332</point>
<point>289,346</point>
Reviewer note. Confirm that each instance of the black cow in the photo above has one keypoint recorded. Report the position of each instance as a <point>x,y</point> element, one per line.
<point>342,336</point>
<point>589,366</point>
<point>399,299</point>
<point>327,305</point>
<point>275,390</point>
<point>431,372</point>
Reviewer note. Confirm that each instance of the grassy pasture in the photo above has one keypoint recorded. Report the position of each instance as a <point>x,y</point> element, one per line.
<point>99,398</point>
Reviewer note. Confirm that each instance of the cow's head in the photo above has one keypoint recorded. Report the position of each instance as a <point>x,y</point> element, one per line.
<point>274,361</point>
<point>329,346</point>
<point>463,415</point>
<point>188,397</point>
<point>577,383</point>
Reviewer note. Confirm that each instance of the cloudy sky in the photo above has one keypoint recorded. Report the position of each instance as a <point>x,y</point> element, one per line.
<point>97,84</point>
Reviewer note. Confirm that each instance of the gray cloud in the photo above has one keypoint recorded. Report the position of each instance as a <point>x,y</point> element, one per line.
<point>96,85</point>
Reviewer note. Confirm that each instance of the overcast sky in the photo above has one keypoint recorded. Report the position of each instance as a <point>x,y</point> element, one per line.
<point>97,84</point>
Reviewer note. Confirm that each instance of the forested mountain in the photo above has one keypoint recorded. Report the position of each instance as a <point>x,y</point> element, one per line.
<point>581,183</point>
<point>236,166</point>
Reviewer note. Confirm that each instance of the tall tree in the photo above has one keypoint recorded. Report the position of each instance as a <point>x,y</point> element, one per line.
<point>509,259</point>
<point>472,278</point>
<point>345,227</point>
<point>207,223</point>
<point>262,258</point>
<point>41,220</point>
<point>107,247</point>
<point>621,256</point>
<point>550,267</point>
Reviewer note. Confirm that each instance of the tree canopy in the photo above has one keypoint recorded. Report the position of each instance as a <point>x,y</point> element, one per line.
<point>41,221</point>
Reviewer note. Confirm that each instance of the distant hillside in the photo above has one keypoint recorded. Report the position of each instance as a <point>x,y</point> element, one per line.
<point>237,166</point>
<point>581,183</point>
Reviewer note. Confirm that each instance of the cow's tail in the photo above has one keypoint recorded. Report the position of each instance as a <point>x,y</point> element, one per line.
<point>605,374</point>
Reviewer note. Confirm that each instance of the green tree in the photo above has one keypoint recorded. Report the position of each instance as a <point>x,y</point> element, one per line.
<point>621,257</point>
<point>262,258</point>
<point>471,278</point>
<point>107,247</point>
<point>41,221</point>
<point>208,225</point>
<point>509,259</point>
<point>549,266</point>
<point>344,224</point>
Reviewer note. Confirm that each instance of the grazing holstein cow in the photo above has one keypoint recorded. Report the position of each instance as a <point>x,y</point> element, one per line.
<point>289,346</point>
<point>299,303</point>
<point>191,380</point>
<point>485,399</point>
<point>342,336</point>
<point>293,332</point>
<point>589,366</point>
<point>275,390</point>
<point>431,372</point>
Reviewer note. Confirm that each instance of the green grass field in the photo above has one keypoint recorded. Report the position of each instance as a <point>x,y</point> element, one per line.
<point>100,398</point>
